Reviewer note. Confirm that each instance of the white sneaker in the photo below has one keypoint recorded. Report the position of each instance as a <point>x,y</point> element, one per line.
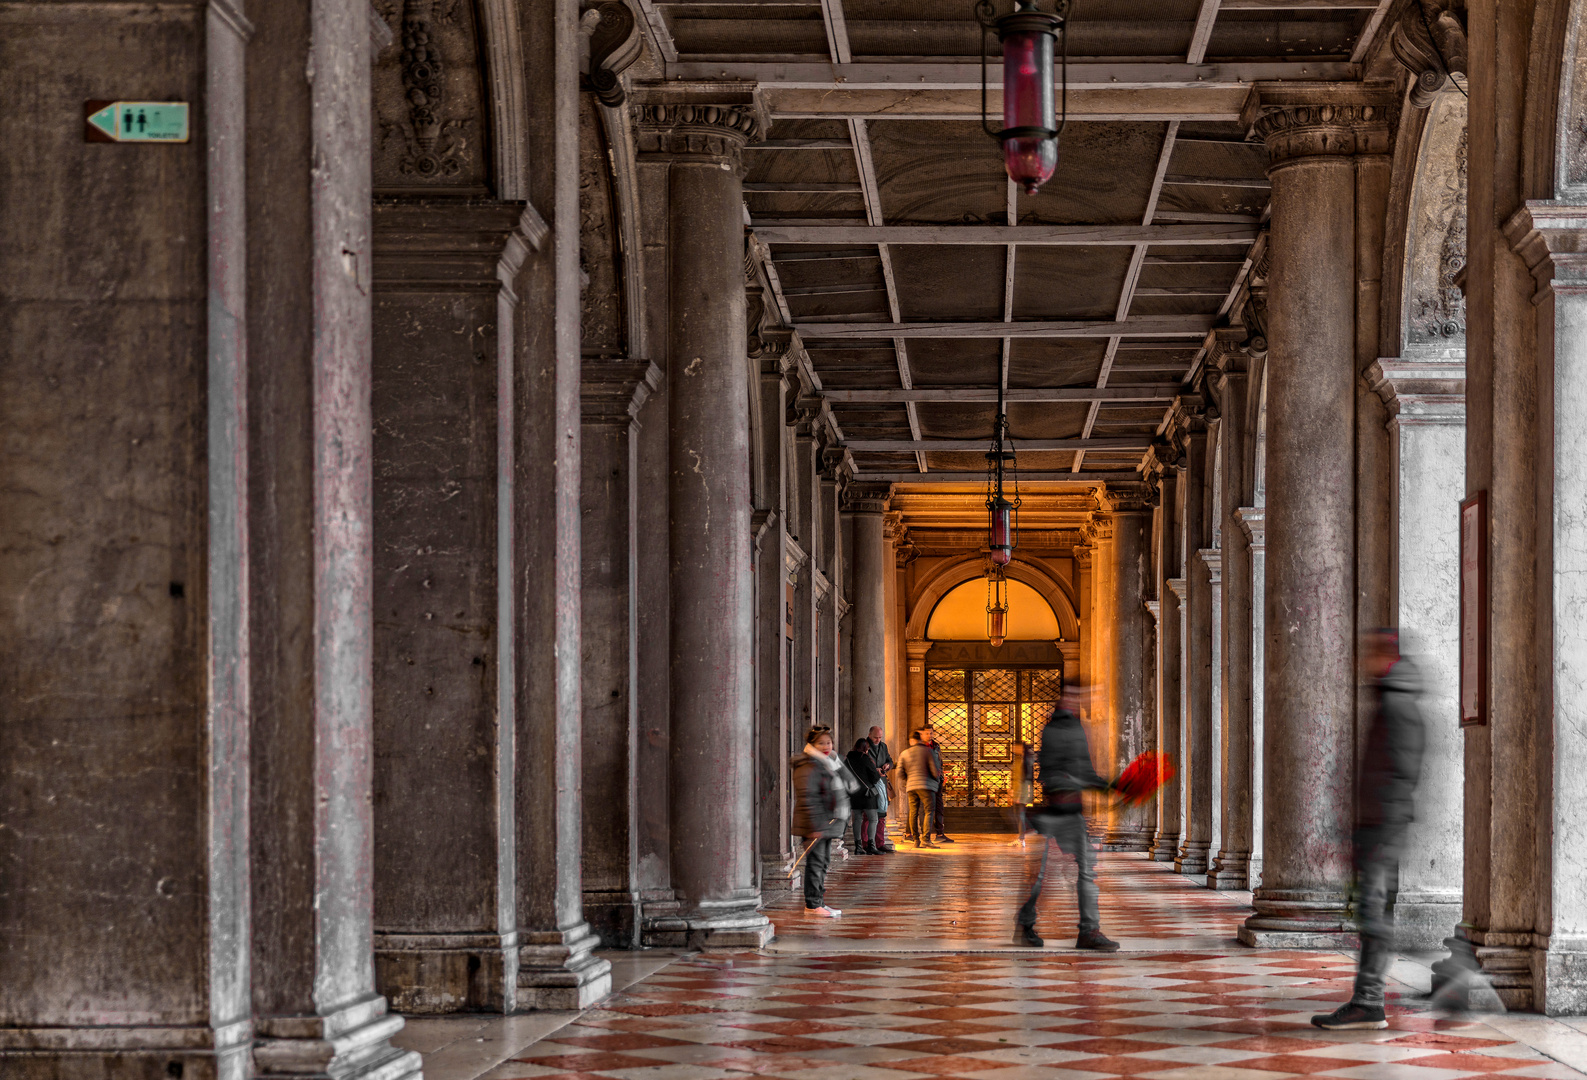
<point>824,912</point>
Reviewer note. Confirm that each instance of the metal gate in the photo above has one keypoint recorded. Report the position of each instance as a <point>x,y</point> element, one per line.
<point>978,714</point>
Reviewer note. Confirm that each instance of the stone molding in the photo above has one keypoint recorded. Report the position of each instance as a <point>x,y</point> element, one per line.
<point>868,497</point>
<point>714,121</point>
<point>1176,585</point>
<point>823,587</point>
<point>1253,522</point>
<point>1420,392</point>
<point>1552,238</point>
<point>1187,417</point>
<point>1429,41</point>
<point>615,43</point>
<point>794,558</point>
<point>1156,608</point>
<point>1128,498</point>
<point>1213,557</point>
<point>613,391</point>
<point>458,244</point>
<point>1082,556</point>
<point>1309,119</point>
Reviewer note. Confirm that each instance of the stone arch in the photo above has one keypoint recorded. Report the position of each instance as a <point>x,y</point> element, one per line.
<point>951,575</point>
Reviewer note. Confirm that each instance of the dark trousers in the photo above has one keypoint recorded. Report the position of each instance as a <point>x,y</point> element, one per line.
<point>1378,852</point>
<point>866,829</point>
<point>937,827</point>
<point>918,826</point>
<point>816,864</point>
<point>1069,830</point>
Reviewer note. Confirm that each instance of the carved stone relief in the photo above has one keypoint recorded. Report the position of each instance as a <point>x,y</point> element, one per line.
<point>1435,309</point>
<point>428,92</point>
<point>599,254</point>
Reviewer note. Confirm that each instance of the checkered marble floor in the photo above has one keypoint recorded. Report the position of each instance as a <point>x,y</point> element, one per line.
<point>1233,1014</point>
<point>970,890</point>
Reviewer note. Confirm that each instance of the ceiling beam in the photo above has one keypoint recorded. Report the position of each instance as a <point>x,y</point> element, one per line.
<point>837,102</point>
<point>1203,31</point>
<point>1143,326</point>
<point>896,446</point>
<point>939,477</point>
<point>1370,32</point>
<point>1155,392</point>
<point>1043,235</point>
<point>775,75</point>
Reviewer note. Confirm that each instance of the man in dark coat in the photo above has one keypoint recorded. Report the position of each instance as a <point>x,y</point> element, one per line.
<point>1385,805</point>
<point>936,825</point>
<point>1064,771</point>
<point>882,758</point>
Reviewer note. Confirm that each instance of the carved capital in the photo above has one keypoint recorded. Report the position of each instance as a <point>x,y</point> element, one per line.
<point>1161,457</point>
<point>1299,120</point>
<point>1132,497</point>
<point>704,120</point>
<point>1228,354</point>
<point>867,497</point>
<point>1429,40</point>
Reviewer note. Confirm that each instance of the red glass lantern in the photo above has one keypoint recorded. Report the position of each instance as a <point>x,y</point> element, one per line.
<point>1030,124</point>
<point>1001,530</point>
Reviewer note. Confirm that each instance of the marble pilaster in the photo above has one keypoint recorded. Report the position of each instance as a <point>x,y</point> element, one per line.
<point>775,586</point>
<point>1196,673</point>
<point>1130,728</point>
<point>1253,520</point>
<point>872,562</point>
<point>1170,623</point>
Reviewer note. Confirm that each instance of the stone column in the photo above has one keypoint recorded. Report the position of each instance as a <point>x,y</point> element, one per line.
<point>873,562</point>
<point>1086,673</point>
<point>1165,844</point>
<point>1426,402</point>
<point>1130,828</point>
<point>1253,520</point>
<point>711,767</point>
<point>773,620</point>
<point>829,655</point>
<point>1197,671</point>
<point>445,889</point>
<point>1231,868</point>
<point>804,488</point>
<point>1309,745</point>
<point>612,395</point>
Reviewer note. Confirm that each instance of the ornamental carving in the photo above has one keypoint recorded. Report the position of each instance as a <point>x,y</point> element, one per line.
<point>428,95</point>
<point>1292,131</point>
<point>718,131</point>
<point>1438,310</point>
<point>1429,39</point>
<point>613,43</point>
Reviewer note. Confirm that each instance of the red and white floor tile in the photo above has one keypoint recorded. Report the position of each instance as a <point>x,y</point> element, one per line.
<point>842,1003</point>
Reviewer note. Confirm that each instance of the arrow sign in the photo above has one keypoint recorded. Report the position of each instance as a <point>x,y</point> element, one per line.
<point>135,121</point>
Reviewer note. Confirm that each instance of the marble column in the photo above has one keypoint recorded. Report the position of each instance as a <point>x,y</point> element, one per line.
<point>612,395</point>
<point>1196,674</point>
<point>1231,867</point>
<point>829,708</point>
<point>711,768</point>
<point>1309,699</point>
<point>1426,402</point>
<point>445,918</point>
<point>804,488</point>
<point>773,622</point>
<point>1253,521</point>
<point>1165,843</point>
<point>1131,729</point>
<point>1086,673</point>
<point>873,563</point>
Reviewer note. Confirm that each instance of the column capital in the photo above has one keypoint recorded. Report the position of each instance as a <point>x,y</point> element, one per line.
<point>1552,238</point>
<point>1228,352</point>
<point>1420,391</point>
<point>1176,585</point>
<point>613,391</point>
<point>1187,418</point>
<point>1253,520</point>
<point>1213,557</point>
<point>868,497</point>
<point>1082,556</point>
<point>1134,497</point>
<point>1161,458</point>
<point>711,120</point>
<point>1308,119</point>
<point>1429,41</point>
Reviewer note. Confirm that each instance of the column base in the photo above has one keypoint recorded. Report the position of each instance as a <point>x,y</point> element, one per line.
<point>127,1053</point>
<point>1164,847</point>
<point>614,916</point>
<point>1192,857</point>
<point>1231,871</point>
<point>353,1043</point>
<point>1128,838</point>
<point>447,973</point>
<point>1298,919</point>
<point>557,969</point>
<point>1504,961</point>
<point>733,924</point>
<point>1564,976</point>
<point>1422,919</point>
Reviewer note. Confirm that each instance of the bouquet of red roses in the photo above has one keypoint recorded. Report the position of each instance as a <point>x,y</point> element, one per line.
<point>1142,778</point>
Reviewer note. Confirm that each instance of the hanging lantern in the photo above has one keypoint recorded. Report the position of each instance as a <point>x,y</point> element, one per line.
<point>1002,513</point>
<point>1001,530</point>
<point>1030,125</point>
<point>996,607</point>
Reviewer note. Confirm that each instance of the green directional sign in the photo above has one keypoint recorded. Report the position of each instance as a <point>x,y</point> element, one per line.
<point>136,121</point>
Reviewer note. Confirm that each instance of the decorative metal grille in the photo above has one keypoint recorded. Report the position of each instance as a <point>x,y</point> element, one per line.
<point>978,715</point>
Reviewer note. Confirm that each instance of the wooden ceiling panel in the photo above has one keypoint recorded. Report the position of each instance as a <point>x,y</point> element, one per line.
<point>1047,419</point>
<point>856,369</point>
<point>1104,175</point>
<point>1069,283</point>
<point>961,282</point>
<point>955,361</point>
<point>788,32</point>
<point>938,172</point>
<point>967,421</point>
<point>1267,35</point>
<point>1042,363</point>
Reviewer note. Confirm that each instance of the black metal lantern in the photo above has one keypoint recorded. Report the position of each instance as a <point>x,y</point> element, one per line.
<point>996,607</point>
<point>1002,492</point>
<point>1030,125</point>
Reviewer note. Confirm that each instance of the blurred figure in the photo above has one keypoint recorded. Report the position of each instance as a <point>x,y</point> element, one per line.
<point>922,777</point>
<point>1022,784</point>
<point>937,824</point>
<point>1066,771</point>
<point>1385,801</point>
<point>882,757</point>
<point>821,812</point>
<point>866,804</point>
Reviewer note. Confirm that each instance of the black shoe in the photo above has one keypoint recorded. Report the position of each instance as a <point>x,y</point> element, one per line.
<point>1026,935</point>
<point>869,849</point>
<point>1096,941</point>
<point>944,839</point>
<point>1351,1017</point>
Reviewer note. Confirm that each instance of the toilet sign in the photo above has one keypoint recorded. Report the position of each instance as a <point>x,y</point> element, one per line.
<point>135,121</point>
